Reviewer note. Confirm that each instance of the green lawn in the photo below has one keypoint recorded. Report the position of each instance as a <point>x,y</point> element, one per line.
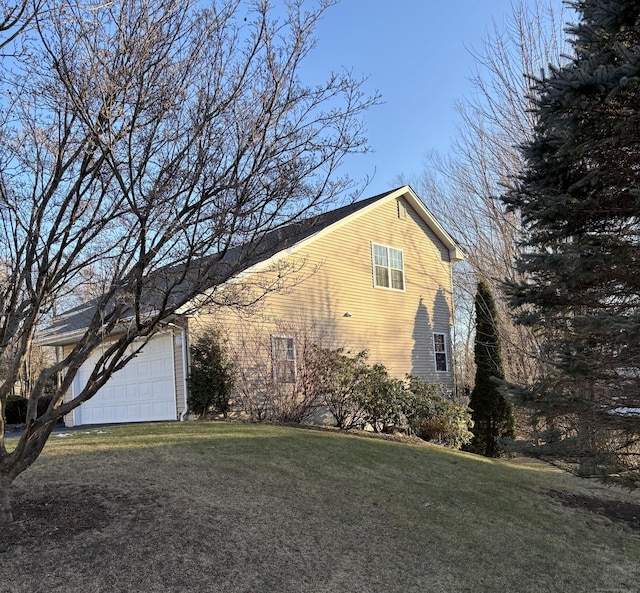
<point>242,508</point>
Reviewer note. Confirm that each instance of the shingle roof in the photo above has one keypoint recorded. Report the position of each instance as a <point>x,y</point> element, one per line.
<point>215,269</point>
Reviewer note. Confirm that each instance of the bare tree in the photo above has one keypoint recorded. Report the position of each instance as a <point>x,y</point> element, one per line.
<point>270,386</point>
<point>15,19</point>
<point>464,186</point>
<point>141,144</point>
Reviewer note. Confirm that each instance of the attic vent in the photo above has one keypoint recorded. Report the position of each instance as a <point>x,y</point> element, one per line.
<point>402,210</point>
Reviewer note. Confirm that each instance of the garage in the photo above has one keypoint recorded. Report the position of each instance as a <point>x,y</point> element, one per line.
<point>143,391</point>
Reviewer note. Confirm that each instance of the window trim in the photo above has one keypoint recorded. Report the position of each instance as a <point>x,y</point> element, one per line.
<point>444,351</point>
<point>275,361</point>
<point>388,267</point>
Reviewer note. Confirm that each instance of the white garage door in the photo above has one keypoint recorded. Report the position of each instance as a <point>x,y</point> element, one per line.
<point>143,391</point>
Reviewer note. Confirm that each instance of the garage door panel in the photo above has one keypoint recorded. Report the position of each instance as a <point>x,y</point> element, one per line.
<point>144,390</point>
<point>147,409</point>
<point>157,367</point>
<point>118,394</point>
<point>141,369</point>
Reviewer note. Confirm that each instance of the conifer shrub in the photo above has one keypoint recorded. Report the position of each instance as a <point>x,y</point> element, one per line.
<point>211,378</point>
<point>493,417</point>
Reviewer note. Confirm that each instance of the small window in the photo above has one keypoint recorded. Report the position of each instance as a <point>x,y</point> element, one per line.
<point>440,351</point>
<point>283,357</point>
<point>388,267</point>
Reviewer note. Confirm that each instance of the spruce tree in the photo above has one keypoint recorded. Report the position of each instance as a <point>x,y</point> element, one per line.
<point>579,198</point>
<point>492,414</point>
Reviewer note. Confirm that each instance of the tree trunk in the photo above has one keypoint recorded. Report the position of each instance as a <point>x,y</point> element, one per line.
<point>5,501</point>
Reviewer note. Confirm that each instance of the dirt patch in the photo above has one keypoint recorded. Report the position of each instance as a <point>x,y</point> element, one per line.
<point>614,510</point>
<point>57,515</point>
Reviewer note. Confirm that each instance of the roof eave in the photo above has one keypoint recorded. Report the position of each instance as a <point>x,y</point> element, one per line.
<point>455,253</point>
<point>63,339</point>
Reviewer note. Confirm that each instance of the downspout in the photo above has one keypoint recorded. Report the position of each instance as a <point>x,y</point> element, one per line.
<point>185,368</point>
<point>452,339</point>
<point>185,364</point>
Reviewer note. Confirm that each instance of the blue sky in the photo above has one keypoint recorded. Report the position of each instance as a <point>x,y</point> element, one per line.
<point>418,55</point>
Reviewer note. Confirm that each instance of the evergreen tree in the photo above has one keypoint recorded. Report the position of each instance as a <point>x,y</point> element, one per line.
<point>579,198</point>
<point>211,376</point>
<point>492,414</point>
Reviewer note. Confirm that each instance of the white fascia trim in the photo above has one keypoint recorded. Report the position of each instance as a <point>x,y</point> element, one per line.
<point>63,339</point>
<point>71,337</point>
<point>455,253</point>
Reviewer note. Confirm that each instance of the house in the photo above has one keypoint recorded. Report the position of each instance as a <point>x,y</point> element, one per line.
<point>374,275</point>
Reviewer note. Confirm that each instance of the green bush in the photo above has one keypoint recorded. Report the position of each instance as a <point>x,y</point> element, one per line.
<point>211,378</point>
<point>336,377</point>
<point>16,410</point>
<point>355,393</point>
<point>381,398</point>
<point>434,417</point>
<point>358,394</point>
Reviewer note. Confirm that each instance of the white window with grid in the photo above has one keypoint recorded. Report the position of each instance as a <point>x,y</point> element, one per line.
<point>283,358</point>
<point>388,267</point>
<point>440,352</point>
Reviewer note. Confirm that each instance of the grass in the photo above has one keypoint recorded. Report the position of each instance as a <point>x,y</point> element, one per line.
<point>221,507</point>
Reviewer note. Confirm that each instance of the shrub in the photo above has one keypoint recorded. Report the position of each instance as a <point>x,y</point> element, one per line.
<point>338,380</point>
<point>492,414</point>
<point>358,394</point>
<point>354,392</point>
<point>16,409</point>
<point>273,390</point>
<point>430,429</point>
<point>434,417</point>
<point>211,378</point>
<point>381,398</point>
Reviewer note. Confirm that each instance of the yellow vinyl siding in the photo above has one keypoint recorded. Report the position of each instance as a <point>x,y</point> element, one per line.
<point>395,326</point>
<point>332,300</point>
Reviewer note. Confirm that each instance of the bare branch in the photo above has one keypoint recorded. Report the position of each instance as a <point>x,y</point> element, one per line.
<point>464,186</point>
<point>141,144</point>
